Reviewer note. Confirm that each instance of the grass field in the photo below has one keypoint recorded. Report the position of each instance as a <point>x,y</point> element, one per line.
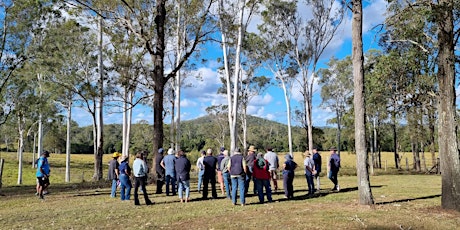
<point>404,200</point>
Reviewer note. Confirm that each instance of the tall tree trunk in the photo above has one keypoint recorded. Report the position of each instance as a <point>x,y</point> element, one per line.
<point>364,188</point>
<point>288,112</point>
<point>395,140</point>
<point>98,174</point>
<point>448,147</point>
<point>21,123</point>
<point>158,78</point>
<point>67,144</point>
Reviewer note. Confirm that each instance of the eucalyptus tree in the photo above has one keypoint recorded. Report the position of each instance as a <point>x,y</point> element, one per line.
<point>129,74</point>
<point>315,30</point>
<point>251,85</point>
<point>233,20</point>
<point>337,89</point>
<point>442,36</point>
<point>60,56</point>
<point>279,21</point>
<point>364,188</point>
<point>447,126</point>
<point>217,113</point>
<point>148,22</point>
<point>19,23</point>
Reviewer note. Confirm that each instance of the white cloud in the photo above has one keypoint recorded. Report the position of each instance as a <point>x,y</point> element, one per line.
<point>188,103</point>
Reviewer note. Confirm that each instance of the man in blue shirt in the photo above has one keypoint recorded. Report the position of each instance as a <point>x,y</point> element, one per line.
<point>333,168</point>
<point>168,164</point>
<point>43,173</point>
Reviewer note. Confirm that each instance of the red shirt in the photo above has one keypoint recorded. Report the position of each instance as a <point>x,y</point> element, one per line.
<point>261,173</point>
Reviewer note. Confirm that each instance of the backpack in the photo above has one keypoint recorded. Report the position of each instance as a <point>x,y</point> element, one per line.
<point>261,163</point>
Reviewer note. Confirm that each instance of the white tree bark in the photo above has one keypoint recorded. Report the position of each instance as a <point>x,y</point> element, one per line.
<point>67,147</point>
<point>21,122</point>
<point>287,99</point>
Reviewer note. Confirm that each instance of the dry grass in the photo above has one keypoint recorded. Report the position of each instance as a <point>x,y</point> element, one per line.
<point>402,202</point>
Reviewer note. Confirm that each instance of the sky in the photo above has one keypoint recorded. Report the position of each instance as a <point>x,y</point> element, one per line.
<point>270,105</point>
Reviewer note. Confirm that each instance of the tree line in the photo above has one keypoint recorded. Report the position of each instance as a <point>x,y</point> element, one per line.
<point>113,55</point>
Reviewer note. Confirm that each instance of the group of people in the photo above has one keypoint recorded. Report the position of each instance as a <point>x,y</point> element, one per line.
<point>234,173</point>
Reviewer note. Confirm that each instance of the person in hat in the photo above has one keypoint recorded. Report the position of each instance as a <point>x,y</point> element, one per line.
<point>261,177</point>
<point>200,168</point>
<point>168,164</point>
<point>209,176</point>
<point>309,165</point>
<point>43,173</point>
<point>238,169</point>
<point>220,179</point>
<point>124,173</point>
<point>250,163</point>
<point>273,160</point>
<point>288,176</point>
<point>160,171</point>
<point>182,168</point>
<point>112,175</point>
<point>318,162</point>
<point>140,171</point>
<point>333,167</point>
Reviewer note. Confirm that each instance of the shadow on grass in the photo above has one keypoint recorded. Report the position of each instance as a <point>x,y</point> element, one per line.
<point>321,193</point>
<point>409,199</point>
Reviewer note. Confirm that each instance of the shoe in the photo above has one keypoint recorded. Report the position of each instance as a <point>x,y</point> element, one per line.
<point>137,204</point>
<point>286,197</point>
<point>41,197</point>
<point>36,194</point>
<point>242,205</point>
<point>338,188</point>
<point>150,203</point>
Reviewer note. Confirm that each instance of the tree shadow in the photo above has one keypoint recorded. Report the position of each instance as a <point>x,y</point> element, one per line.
<point>409,199</point>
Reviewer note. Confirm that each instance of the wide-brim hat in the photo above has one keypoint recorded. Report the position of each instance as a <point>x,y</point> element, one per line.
<point>116,154</point>
<point>333,149</point>
<point>252,148</point>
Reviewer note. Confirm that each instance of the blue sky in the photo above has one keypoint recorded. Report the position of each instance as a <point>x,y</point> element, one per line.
<point>271,104</point>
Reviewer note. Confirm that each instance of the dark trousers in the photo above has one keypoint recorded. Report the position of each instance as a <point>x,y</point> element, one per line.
<point>247,180</point>
<point>333,177</point>
<point>140,181</point>
<point>288,179</point>
<point>206,180</point>
<point>160,181</point>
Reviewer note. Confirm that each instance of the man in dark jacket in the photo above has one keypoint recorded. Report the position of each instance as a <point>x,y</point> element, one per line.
<point>160,171</point>
<point>182,168</point>
<point>250,163</point>
<point>210,166</point>
<point>238,170</point>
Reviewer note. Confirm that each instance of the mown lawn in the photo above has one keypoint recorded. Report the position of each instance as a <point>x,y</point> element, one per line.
<point>403,201</point>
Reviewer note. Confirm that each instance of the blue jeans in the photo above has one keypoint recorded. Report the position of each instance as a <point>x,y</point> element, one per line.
<point>184,185</point>
<point>200,179</point>
<point>114,188</point>
<point>260,184</point>
<point>310,183</point>
<point>125,188</point>
<point>171,179</point>
<point>333,177</point>
<point>238,182</point>
<point>226,177</point>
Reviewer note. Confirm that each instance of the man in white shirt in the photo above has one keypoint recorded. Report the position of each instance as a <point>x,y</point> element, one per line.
<point>273,161</point>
